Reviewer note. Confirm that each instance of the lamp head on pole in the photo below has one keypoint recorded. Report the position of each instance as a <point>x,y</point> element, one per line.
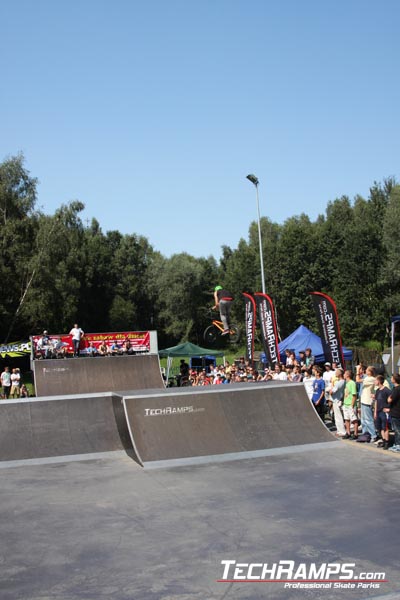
<point>253,179</point>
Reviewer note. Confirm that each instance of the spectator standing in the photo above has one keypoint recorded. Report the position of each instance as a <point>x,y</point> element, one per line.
<point>15,383</point>
<point>318,397</point>
<point>366,398</point>
<point>394,402</point>
<point>308,381</point>
<point>382,410</point>
<point>183,376</point>
<point>77,335</point>
<point>337,395</point>
<point>360,375</point>
<point>5,378</point>
<point>327,377</point>
<point>350,406</point>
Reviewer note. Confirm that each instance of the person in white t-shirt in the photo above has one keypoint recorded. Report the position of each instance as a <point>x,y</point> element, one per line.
<point>77,335</point>
<point>308,381</point>
<point>279,373</point>
<point>15,383</point>
<point>327,377</point>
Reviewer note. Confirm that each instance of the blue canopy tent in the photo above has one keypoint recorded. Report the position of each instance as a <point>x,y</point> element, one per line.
<point>303,338</point>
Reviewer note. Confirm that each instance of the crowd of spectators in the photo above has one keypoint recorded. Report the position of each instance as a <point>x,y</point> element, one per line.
<point>364,407</point>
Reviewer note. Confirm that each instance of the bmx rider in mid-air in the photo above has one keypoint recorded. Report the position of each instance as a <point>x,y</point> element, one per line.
<point>223,300</point>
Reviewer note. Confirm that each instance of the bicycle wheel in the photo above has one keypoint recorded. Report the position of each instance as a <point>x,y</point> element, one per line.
<point>234,334</point>
<point>210,335</point>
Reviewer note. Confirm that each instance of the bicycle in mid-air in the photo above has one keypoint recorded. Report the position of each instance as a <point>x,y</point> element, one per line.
<point>214,331</point>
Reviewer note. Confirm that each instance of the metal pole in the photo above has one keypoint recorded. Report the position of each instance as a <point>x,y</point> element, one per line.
<point>254,181</point>
<point>260,243</point>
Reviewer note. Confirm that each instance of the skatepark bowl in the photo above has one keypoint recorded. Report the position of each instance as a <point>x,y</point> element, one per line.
<point>139,494</point>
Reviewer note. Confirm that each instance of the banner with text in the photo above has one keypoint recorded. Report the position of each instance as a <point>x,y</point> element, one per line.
<point>269,331</point>
<point>15,349</point>
<point>139,342</point>
<point>250,325</point>
<point>328,323</point>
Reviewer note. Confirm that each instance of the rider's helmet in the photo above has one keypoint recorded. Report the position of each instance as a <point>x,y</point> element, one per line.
<point>217,287</point>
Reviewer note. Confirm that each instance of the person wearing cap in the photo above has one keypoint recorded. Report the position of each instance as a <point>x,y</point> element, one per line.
<point>327,377</point>
<point>223,300</point>
<point>43,344</point>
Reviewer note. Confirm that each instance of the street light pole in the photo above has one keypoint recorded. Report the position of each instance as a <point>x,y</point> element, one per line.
<point>254,181</point>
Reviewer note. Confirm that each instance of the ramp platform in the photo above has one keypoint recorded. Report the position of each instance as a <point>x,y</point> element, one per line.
<point>65,426</point>
<point>235,420</point>
<point>86,375</point>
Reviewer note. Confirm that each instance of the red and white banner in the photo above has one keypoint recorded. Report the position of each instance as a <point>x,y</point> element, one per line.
<point>139,342</point>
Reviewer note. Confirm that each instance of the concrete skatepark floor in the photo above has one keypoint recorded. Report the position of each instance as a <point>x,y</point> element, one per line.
<point>106,528</point>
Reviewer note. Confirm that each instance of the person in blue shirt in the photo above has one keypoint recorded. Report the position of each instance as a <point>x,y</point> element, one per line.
<point>318,397</point>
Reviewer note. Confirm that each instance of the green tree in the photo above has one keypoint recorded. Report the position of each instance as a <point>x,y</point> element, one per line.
<point>18,224</point>
<point>389,273</point>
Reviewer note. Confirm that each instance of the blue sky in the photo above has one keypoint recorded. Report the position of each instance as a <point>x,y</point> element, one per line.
<point>153,113</point>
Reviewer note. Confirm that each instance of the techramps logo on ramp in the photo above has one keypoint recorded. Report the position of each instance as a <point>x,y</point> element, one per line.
<point>172,410</point>
<point>294,575</point>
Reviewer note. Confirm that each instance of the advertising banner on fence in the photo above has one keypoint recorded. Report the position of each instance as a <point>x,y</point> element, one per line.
<point>328,323</point>
<point>15,349</point>
<point>269,332</point>
<point>250,325</point>
<point>116,343</point>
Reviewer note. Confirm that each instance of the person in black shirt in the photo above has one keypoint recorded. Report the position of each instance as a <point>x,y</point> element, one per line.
<point>394,403</point>
<point>382,409</point>
<point>183,376</point>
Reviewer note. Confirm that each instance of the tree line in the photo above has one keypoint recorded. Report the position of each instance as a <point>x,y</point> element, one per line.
<point>55,271</point>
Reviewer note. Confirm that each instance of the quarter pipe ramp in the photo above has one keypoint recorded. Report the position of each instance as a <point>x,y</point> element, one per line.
<point>49,427</point>
<point>235,420</point>
<point>100,374</point>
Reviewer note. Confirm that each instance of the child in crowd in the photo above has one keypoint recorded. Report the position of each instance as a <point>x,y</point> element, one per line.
<point>350,406</point>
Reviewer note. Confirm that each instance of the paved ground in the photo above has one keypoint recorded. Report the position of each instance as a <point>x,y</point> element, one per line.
<point>108,529</point>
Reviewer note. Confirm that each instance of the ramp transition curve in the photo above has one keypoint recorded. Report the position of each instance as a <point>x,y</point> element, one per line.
<point>50,427</point>
<point>236,420</point>
<point>162,427</point>
<point>88,375</point>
